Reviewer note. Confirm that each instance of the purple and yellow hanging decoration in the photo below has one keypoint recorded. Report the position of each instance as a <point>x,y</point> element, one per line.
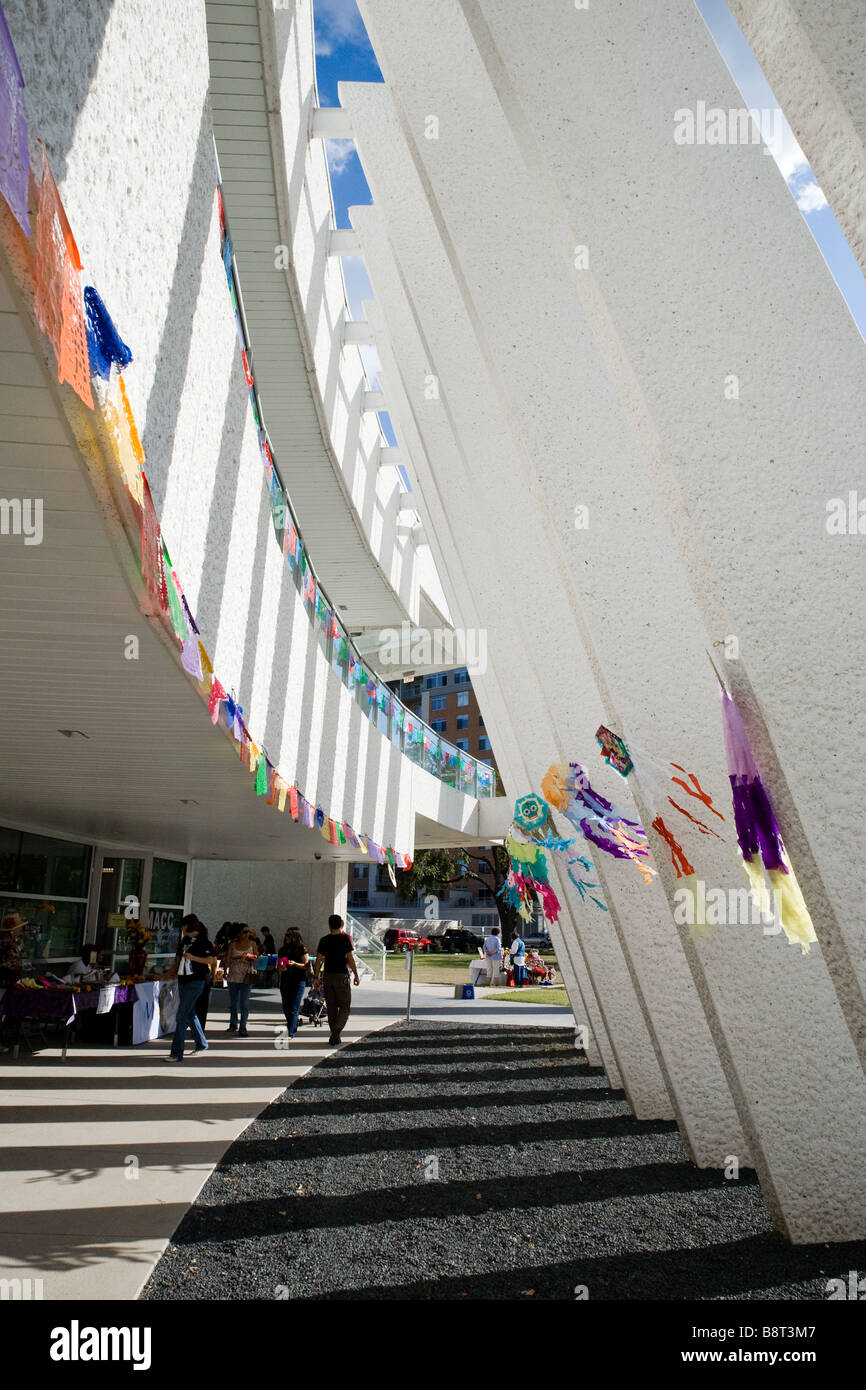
<point>758,834</point>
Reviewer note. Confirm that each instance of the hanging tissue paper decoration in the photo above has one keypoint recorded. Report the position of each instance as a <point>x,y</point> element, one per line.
<point>58,301</point>
<point>104,343</point>
<point>119,419</point>
<point>664,785</point>
<point>152,566</point>
<point>613,751</point>
<point>758,834</point>
<point>530,834</point>
<point>600,821</point>
<point>14,156</point>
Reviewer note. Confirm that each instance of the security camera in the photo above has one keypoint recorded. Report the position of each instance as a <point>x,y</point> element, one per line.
<point>317,855</point>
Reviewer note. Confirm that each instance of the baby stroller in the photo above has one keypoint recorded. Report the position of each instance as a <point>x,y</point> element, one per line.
<point>312,1008</point>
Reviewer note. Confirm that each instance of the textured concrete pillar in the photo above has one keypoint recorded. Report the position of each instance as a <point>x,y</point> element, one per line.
<point>581,400</point>
<point>650,966</point>
<point>814,57</point>
<point>566,701</point>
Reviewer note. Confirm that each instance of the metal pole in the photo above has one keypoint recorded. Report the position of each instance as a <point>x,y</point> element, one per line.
<point>411,972</point>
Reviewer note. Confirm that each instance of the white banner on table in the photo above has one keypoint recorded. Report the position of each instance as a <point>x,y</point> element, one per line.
<point>154,1010</point>
<point>106,999</point>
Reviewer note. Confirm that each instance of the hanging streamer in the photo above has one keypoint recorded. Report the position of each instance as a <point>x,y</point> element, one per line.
<point>600,821</point>
<point>758,833</point>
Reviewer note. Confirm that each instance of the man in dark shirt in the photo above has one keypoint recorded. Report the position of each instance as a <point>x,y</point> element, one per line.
<point>334,960</point>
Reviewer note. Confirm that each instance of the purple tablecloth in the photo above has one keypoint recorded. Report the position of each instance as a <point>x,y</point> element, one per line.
<point>57,1003</point>
<point>89,999</point>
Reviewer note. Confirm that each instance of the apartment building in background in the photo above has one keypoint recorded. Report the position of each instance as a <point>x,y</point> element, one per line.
<point>447,703</point>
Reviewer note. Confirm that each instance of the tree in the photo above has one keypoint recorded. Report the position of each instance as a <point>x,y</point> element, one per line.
<point>436,869</point>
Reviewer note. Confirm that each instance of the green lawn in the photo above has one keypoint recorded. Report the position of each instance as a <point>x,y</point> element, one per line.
<point>431,969</point>
<point>552,995</point>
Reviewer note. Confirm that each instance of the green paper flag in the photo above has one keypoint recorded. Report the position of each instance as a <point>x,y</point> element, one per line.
<point>340,836</point>
<point>262,776</point>
<point>175,609</point>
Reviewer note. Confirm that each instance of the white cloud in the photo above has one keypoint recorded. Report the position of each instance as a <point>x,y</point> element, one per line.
<point>810,197</point>
<point>339,153</point>
<point>793,165</point>
<point>338,22</point>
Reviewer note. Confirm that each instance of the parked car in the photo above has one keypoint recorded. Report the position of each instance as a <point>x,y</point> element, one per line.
<point>398,939</point>
<point>538,943</point>
<point>459,939</point>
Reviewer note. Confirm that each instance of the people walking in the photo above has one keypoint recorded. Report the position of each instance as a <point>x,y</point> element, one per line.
<point>240,961</point>
<point>492,949</point>
<point>193,964</point>
<point>294,961</point>
<point>334,960</point>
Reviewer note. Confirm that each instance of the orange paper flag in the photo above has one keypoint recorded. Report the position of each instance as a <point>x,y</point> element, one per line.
<point>59,303</point>
<point>124,433</point>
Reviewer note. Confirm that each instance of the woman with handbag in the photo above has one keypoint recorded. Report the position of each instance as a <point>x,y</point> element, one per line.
<point>240,964</point>
<point>294,971</point>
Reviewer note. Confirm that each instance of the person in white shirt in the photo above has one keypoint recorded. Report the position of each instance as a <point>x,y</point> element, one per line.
<point>493,955</point>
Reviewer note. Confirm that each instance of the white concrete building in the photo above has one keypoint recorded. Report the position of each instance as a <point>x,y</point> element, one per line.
<point>623,386</point>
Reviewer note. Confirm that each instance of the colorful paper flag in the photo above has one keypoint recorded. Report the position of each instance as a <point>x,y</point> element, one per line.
<point>14,156</point>
<point>152,568</point>
<point>105,346</point>
<point>58,301</point>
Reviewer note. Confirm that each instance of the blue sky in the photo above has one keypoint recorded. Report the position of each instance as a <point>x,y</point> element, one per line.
<point>344,54</point>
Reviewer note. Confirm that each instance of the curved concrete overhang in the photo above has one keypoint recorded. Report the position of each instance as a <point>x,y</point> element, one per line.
<point>312,383</point>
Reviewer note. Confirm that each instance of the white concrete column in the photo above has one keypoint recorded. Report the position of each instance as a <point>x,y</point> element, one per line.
<point>568,700</point>
<point>581,433</point>
<point>814,57</point>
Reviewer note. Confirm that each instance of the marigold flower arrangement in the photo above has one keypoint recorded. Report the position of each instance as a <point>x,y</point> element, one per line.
<point>137,934</point>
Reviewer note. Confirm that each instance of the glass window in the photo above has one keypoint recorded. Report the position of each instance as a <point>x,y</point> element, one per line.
<point>130,879</point>
<point>168,884</point>
<point>462,699</point>
<point>480,722</point>
<point>53,867</point>
<point>53,930</point>
<point>461,676</point>
<point>484,743</point>
<point>439,702</point>
<point>10,843</point>
<point>462,744</point>
<point>439,725</point>
<point>362,870</point>
<point>435,682</point>
<point>463,721</point>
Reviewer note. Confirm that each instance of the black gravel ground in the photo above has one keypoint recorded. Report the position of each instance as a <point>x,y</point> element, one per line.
<point>545,1183</point>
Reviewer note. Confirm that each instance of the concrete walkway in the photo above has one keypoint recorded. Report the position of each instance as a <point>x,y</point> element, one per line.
<point>102,1155</point>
